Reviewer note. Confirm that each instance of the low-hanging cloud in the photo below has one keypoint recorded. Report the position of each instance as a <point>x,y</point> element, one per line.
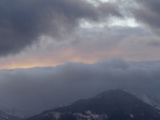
<point>38,89</point>
<point>23,22</point>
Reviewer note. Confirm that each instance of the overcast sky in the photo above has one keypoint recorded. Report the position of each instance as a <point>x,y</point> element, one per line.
<point>79,48</point>
<point>52,32</point>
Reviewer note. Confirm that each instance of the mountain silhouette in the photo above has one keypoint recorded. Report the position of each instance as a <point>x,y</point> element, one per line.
<point>109,105</point>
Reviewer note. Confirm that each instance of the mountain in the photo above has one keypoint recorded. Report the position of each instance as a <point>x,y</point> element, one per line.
<point>12,110</point>
<point>110,105</point>
<point>5,116</point>
<point>153,100</point>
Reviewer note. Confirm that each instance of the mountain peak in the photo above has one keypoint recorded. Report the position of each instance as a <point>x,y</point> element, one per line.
<point>109,105</point>
<point>111,92</point>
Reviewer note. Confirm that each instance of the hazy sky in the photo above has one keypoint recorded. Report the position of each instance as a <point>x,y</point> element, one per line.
<point>76,36</point>
<point>53,32</point>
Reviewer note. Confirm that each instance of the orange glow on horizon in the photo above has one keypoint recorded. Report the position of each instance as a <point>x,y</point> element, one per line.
<point>53,59</point>
<point>33,64</point>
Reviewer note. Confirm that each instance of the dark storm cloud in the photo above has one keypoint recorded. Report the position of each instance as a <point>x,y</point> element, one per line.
<point>22,22</point>
<point>38,89</point>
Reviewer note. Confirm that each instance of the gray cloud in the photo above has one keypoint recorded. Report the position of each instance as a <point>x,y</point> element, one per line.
<point>88,45</point>
<point>148,13</point>
<point>137,43</point>
<point>38,89</point>
<point>23,22</point>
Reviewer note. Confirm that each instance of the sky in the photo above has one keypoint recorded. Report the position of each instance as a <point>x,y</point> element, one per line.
<point>50,32</point>
<point>54,52</point>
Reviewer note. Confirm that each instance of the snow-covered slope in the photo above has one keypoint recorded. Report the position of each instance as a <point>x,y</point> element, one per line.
<point>147,98</point>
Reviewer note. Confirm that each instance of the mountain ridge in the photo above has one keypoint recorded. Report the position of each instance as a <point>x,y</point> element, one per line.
<point>5,116</point>
<point>108,105</point>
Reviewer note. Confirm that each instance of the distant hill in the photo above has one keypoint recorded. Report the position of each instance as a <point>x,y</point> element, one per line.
<point>109,105</point>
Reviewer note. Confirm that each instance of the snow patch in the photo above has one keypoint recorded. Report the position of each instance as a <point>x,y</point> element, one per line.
<point>90,116</point>
<point>131,115</point>
<point>56,115</point>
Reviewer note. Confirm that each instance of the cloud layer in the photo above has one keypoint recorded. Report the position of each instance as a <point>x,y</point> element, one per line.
<point>37,89</point>
<point>89,45</point>
<point>148,13</point>
<point>23,22</point>
<point>61,25</point>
